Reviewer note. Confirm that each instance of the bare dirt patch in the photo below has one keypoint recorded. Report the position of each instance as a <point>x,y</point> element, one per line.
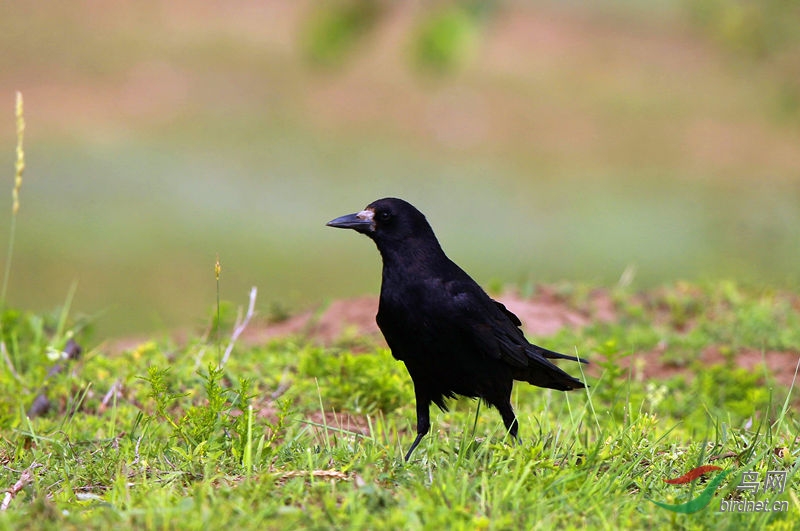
<point>651,365</point>
<point>352,322</point>
<point>542,315</point>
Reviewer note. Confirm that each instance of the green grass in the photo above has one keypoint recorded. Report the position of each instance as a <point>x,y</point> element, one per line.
<point>290,435</point>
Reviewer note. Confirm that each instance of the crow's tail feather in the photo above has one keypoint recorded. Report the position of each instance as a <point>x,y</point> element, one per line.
<point>544,373</point>
<point>555,355</point>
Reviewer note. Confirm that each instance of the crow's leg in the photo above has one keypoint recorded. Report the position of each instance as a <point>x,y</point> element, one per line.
<point>501,399</point>
<point>509,419</point>
<point>423,420</point>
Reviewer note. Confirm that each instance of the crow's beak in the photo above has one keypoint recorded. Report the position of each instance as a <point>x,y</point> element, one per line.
<point>361,221</point>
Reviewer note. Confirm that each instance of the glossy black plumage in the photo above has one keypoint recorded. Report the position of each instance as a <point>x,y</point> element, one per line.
<point>453,338</point>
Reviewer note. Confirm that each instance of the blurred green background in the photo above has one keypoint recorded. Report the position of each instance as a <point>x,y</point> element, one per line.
<point>544,141</point>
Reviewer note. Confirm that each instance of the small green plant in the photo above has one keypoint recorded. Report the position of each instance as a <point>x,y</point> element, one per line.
<point>221,427</point>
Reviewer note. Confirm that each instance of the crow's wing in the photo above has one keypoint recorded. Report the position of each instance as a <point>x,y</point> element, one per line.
<point>540,350</point>
<point>511,315</point>
<point>494,328</point>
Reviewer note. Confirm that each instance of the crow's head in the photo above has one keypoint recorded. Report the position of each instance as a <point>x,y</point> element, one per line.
<point>387,220</point>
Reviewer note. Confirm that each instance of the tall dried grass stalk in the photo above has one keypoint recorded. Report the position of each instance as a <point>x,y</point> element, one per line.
<point>19,169</point>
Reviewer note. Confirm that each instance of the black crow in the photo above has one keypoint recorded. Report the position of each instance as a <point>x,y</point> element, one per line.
<point>453,338</point>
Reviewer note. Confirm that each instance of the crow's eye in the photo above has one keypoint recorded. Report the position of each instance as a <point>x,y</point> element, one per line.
<point>385,216</point>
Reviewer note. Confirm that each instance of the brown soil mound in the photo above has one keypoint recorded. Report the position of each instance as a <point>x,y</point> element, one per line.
<point>542,315</point>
